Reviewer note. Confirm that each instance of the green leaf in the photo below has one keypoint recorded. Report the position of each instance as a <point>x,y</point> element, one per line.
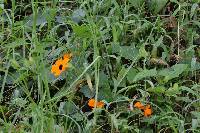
<point>173,72</point>
<point>77,117</point>
<point>128,52</point>
<point>20,102</point>
<point>18,42</point>
<point>1,9</point>
<point>193,8</point>
<point>78,15</point>
<point>121,73</point>
<point>194,64</point>
<point>157,90</point>
<point>15,64</point>
<point>82,31</point>
<point>104,80</point>
<point>147,130</point>
<point>185,99</point>
<point>195,123</point>
<point>66,107</point>
<point>50,14</point>
<point>143,52</point>
<point>179,68</point>
<point>196,114</point>
<point>121,77</point>
<point>157,5</point>
<point>131,75</point>
<point>164,72</point>
<point>137,3</point>
<point>87,92</point>
<point>41,19</point>
<point>189,90</point>
<point>105,93</point>
<point>145,73</point>
<point>173,91</point>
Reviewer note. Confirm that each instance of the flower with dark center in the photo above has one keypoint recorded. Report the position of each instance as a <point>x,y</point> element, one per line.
<point>61,64</point>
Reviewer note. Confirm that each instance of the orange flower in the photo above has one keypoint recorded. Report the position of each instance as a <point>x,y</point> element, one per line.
<point>67,57</point>
<point>147,110</point>
<point>91,103</point>
<point>139,105</point>
<point>61,64</point>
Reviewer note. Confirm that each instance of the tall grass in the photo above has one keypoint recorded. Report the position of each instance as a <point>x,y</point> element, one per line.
<point>123,52</point>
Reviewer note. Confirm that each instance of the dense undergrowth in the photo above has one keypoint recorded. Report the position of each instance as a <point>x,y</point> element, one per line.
<point>137,61</point>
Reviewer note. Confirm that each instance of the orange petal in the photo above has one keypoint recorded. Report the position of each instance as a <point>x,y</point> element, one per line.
<point>55,70</point>
<point>58,62</point>
<point>55,67</point>
<point>100,104</point>
<point>91,102</point>
<point>67,57</point>
<point>147,112</point>
<point>147,106</point>
<point>139,105</point>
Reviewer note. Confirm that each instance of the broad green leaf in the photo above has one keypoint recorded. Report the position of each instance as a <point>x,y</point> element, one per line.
<point>196,114</point>
<point>131,74</point>
<point>157,90</point>
<point>181,128</point>
<point>173,91</point>
<point>179,68</point>
<point>87,92</point>
<point>121,73</point>
<point>145,74</point>
<point>128,52</point>
<point>82,31</point>
<point>173,72</point>
<point>159,42</point>
<point>164,72</point>
<point>104,80</point>
<point>121,78</point>
<point>105,93</point>
<point>143,52</point>
<point>195,123</point>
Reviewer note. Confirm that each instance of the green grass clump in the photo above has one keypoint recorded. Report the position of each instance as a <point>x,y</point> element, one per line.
<point>123,52</point>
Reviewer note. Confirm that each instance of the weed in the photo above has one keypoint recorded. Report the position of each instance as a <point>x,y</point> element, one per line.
<point>135,66</point>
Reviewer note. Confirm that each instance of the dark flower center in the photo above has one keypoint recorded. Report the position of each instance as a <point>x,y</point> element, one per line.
<point>60,67</point>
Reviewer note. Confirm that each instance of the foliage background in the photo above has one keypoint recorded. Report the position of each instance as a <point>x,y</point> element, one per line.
<point>121,49</point>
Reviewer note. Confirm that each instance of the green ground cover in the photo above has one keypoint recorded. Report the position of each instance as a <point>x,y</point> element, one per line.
<point>104,66</point>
